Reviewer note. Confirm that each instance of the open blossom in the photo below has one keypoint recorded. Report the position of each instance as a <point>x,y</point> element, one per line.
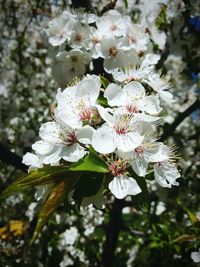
<point>60,141</point>
<point>119,132</point>
<point>69,65</point>
<point>80,36</point>
<point>114,53</point>
<point>165,170</point>
<point>59,29</point>
<point>160,85</point>
<point>138,69</point>
<point>122,185</point>
<point>112,24</point>
<point>137,37</point>
<point>133,99</point>
<point>77,104</point>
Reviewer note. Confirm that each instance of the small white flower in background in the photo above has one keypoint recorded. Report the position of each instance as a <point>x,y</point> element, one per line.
<point>69,65</point>
<point>59,29</point>
<point>31,211</point>
<point>160,208</point>
<point>114,53</point>
<point>80,36</point>
<point>112,24</point>
<point>195,256</point>
<point>67,261</point>
<point>68,237</point>
<point>137,37</point>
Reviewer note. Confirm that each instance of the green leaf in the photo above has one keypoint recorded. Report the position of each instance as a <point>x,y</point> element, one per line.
<point>57,195</point>
<point>88,185</point>
<point>92,162</point>
<point>184,237</point>
<point>45,175</point>
<point>104,81</point>
<point>126,3</point>
<point>102,101</point>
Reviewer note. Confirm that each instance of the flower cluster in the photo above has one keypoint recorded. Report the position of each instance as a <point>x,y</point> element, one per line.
<point>77,39</point>
<point>118,122</point>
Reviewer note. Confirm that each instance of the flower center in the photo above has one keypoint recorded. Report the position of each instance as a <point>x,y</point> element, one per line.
<point>78,38</point>
<point>121,129</point>
<point>86,114</point>
<point>117,167</point>
<point>74,59</point>
<point>95,40</point>
<point>139,150</point>
<point>113,51</point>
<point>123,124</point>
<point>132,39</point>
<point>132,109</point>
<point>71,139</point>
<point>113,28</point>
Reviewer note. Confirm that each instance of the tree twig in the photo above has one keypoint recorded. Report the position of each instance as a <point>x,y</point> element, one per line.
<point>11,158</point>
<point>170,129</point>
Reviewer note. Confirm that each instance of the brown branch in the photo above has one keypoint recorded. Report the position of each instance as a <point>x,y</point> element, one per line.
<point>112,233</point>
<point>170,129</point>
<point>11,158</point>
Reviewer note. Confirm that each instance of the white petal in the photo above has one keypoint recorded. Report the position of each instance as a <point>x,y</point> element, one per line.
<point>129,141</point>
<point>140,166</point>
<point>32,160</point>
<point>105,115</point>
<point>54,156</point>
<point>122,186</point>
<point>113,94</point>
<point>103,141</point>
<point>73,153</point>
<point>151,105</point>
<point>167,97</point>
<point>166,174</point>
<point>88,88</point>
<point>85,134</point>
<point>42,147</point>
<point>145,117</point>
<point>133,91</point>
<point>158,153</point>
<point>50,132</point>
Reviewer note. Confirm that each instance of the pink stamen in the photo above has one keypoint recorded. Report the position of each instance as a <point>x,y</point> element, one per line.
<point>132,109</point>
<point>71,139</point>
<point>117,168</point>
<point>139,150</point>
<point>86,114</point>
<point>121,129</point>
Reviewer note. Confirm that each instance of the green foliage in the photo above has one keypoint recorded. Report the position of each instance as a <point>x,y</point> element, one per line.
<point>104,81</point>
<point>92,162</point>
<point>161,20</point>
<point>57,194</point>
<point>87,186</point>
<point>42,176</point>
